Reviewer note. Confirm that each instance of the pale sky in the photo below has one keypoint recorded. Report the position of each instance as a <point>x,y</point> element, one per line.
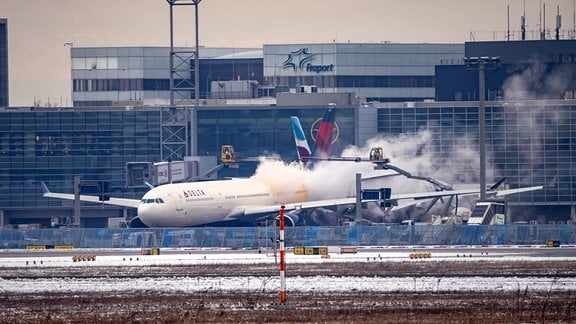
<point>39,63</point>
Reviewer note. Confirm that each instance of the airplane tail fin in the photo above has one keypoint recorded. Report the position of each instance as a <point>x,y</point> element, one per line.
<point>323,146</point>
<point>302,147</point>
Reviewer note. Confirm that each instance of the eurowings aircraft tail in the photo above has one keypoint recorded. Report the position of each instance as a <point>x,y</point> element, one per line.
<point>302,147</point>
<point>323,146</point>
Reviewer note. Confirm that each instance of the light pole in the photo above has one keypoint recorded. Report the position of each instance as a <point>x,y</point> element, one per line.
<point>196,59</point>
<point>481,64</point>
<point>195,3</point>
<point>181,139</point>
<point>193,118</point>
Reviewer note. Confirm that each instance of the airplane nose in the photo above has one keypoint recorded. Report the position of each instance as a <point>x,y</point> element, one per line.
<point>150,209</point>
<point>145,213</point>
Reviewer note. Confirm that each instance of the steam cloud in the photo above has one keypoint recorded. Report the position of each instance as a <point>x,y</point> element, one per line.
<point>416,153</point>
<point>539,81</point>
<point>535,127</point>
<point>531,122</point>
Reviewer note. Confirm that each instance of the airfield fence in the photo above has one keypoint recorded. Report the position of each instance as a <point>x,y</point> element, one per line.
<point>262,237</point>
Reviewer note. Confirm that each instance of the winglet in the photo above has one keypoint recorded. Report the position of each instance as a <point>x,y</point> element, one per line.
<point>552,183</point>
<point>497,184</point>
<point>45,189</point>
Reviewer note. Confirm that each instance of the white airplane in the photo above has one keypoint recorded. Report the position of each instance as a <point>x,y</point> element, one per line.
<point>246,200</point>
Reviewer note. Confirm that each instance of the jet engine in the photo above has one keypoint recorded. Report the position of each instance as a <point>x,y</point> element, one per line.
<point>136,223</point>
<point>293,219</point>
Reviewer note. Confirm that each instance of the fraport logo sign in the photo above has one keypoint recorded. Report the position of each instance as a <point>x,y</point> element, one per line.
<point>301,60</point>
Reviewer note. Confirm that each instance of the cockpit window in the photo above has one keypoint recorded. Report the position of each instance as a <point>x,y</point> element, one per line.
<point>159,201</point>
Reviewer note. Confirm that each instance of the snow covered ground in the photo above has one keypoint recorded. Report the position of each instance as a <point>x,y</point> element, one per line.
<point>68,284</point>
<point>134,257</point>
<point>321,284</point>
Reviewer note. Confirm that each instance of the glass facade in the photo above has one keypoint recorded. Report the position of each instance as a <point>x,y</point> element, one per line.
<point>537,69</point>
<point>533,143</point>
<point>254,132</point>
<point>228,69</point>
<point>449,127</point>
<point>528,142</point>
<point>54,146</point>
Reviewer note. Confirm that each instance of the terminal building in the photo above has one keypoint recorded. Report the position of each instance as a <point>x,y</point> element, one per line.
<point>384,90</point>
<point>533,69</point>
<point>136,76</point>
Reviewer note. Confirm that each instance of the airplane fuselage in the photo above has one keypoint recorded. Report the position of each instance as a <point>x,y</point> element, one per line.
<point>198,203</point>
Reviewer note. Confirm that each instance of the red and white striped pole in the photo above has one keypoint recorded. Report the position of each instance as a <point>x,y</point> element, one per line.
<point>282,260</point>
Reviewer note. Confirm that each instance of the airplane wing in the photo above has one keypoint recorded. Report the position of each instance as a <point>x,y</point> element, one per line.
<point>255,210</point>
<point>463,192</point>
<point>122,202</point>
<point>515,191</point>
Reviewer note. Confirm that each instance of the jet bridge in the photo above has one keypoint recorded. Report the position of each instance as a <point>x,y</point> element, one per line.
<point>193,168</point>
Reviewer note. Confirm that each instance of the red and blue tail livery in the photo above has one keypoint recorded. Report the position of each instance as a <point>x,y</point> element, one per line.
<point>323,146</point>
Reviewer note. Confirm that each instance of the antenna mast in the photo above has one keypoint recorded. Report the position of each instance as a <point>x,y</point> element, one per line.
<point>542,21</point>
<point>558,22</point>
<point>508,21</point>
<point>523,23</point>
